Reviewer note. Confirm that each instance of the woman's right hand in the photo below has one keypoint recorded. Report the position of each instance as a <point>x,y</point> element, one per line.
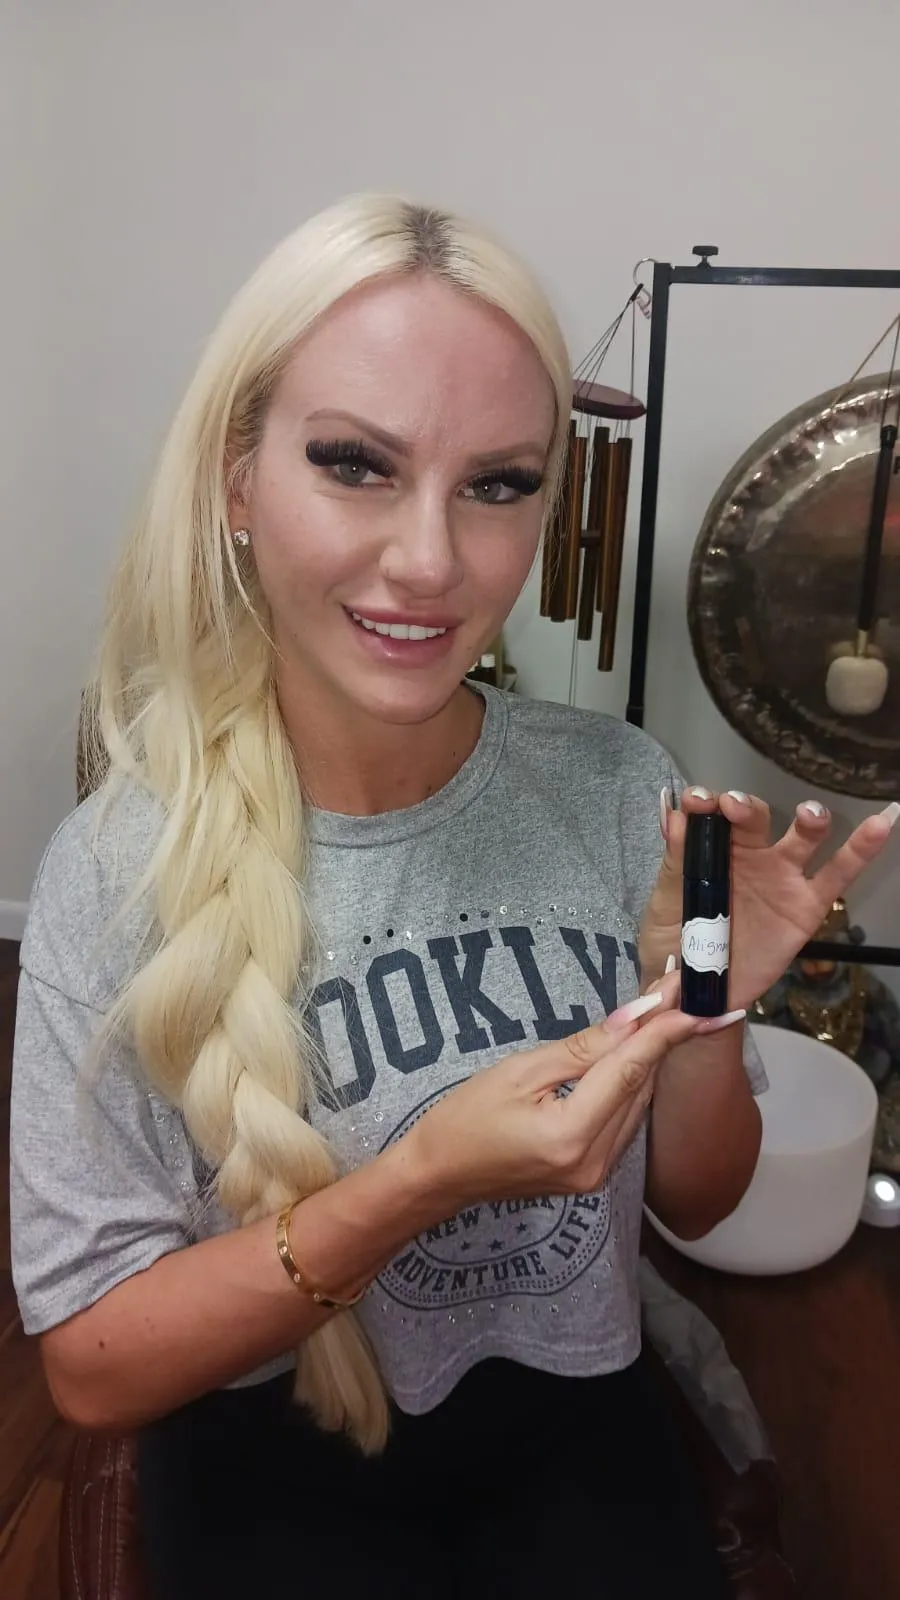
<point>506,1133</point>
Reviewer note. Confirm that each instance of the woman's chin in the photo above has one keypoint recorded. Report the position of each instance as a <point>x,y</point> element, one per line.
<point>407,704</point>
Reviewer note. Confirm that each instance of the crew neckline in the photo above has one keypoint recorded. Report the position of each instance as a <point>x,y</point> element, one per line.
<point>335,828</point>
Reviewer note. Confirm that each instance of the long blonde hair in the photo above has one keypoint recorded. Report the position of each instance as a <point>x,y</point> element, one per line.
<point>186,705</point>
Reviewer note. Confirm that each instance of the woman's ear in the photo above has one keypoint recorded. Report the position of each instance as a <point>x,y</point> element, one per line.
<point>237,492</point>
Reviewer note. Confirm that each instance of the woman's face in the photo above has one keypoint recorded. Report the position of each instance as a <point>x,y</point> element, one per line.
<point>399,483</point>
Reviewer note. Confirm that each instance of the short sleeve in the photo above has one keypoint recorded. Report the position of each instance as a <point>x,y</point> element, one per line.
<point>91,1200</point>
<point>96,1190</point>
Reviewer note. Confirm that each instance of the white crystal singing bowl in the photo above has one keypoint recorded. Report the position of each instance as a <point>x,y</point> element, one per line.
<point>805,1197</point>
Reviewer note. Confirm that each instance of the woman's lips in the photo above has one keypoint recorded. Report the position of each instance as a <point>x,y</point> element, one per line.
<point>403,652</point>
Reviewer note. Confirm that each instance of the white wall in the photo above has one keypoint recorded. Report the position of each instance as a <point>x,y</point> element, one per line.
<point>161,149</point>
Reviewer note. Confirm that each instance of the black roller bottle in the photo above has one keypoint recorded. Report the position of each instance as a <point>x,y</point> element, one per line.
<point>706,918</point>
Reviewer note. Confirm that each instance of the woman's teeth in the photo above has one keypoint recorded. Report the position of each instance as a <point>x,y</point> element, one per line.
<point>398,630</point>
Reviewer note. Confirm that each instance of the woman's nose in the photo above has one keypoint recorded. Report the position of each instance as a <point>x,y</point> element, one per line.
<point>421,554</point>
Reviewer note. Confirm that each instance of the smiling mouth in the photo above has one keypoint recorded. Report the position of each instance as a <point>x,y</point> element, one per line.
<point>397,630</point>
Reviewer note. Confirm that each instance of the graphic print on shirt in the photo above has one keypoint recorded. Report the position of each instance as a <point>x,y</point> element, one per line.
<point>536,1246</point>
<point>417,1019</point>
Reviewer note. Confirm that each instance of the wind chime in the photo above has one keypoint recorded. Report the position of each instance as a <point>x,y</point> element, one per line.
<point>593,505</point>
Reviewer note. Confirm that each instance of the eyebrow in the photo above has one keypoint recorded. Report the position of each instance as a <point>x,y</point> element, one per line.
<point>403,447</point>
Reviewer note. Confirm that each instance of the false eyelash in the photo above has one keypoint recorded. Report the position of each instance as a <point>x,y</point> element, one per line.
<point>525,480</point>
<point>334,452</point>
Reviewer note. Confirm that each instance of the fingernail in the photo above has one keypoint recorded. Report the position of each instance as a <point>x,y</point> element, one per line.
<point>633,1010</point>
<point>671,964</point>
<point>739,795</point>
<point>700,794</point>
<point>716,1024</point>
<point>665,800</point>
<point>892,812</point>
<point>815,808</point>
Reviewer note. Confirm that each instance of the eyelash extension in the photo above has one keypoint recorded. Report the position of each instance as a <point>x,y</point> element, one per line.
<point>337,452</point>
<point>356,452</point>
<point>525,480</point>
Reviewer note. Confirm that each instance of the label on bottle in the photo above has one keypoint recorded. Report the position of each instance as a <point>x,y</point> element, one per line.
<point>704,943</point>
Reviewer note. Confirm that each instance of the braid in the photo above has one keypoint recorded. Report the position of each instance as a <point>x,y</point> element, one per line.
<point>212,1020</point>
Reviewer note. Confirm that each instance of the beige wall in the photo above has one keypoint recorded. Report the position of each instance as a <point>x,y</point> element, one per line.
<point>153,152</point>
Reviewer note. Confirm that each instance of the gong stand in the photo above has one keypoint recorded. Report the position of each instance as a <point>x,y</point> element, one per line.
<point>704,274</point>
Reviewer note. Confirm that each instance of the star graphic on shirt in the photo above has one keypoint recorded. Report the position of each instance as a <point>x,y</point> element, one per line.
<point>522,1228</point>
<point>465,1245</point>
<point>496,1244</point>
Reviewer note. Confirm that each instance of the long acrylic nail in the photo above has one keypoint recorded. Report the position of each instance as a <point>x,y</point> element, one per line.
<point>717,1024</point>
<point>892,812</point>
<point>633,1010</point>
<point>739,795</point>
<point>665,801</point>
<point>700,794</point>
<point>671,964</point>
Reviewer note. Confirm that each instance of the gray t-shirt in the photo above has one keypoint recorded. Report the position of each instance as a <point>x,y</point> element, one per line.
<point>499,912</point>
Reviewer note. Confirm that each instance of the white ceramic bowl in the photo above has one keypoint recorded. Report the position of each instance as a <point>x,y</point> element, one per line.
<point>805,1197</point>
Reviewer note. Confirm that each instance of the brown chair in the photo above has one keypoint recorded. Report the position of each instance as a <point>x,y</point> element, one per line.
<point>99,1539</point>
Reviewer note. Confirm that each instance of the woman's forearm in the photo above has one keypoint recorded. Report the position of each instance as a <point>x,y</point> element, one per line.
<point>201,1317</point>
<point>704,1138</point>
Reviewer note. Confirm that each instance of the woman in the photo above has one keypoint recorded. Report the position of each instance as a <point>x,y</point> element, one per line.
<point>346,951</point>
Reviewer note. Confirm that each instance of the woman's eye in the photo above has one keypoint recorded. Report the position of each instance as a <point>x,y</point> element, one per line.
<point>349,462</point>
<point>493,492</point>
<point>354,473</point>
<point>504,488</point>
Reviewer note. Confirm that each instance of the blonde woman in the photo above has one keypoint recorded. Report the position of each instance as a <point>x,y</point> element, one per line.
<point>331,1098</point>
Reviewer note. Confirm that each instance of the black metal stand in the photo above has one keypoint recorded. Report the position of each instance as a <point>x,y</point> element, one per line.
<point>664,277</point>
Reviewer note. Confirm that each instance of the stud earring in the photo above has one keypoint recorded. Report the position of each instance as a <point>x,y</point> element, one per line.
<point>241,537</point>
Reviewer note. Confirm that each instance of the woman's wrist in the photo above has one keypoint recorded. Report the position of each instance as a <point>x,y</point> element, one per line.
<point>708,1052</point>
<point>342,1236</point>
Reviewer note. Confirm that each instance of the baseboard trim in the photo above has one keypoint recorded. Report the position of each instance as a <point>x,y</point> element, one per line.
<point>12,919</point>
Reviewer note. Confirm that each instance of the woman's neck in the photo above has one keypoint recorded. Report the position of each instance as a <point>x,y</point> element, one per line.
<point>360,766</point>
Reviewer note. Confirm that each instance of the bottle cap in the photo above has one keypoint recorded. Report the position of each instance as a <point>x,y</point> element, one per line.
<point>707,847</point>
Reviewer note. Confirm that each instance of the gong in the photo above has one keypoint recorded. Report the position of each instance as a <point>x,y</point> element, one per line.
<point>774,587</point>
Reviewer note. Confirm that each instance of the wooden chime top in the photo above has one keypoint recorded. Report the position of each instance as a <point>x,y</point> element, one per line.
<point>599,400</point>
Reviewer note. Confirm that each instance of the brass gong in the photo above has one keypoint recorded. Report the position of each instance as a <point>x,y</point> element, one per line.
<point>774,586</point>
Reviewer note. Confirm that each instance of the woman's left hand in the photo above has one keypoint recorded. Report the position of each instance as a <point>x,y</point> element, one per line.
<point>775,907</point>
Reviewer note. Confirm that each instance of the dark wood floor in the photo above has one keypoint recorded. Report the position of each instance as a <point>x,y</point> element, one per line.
<point>820,1352</point>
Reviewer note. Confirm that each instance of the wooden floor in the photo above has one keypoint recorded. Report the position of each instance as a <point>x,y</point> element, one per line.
<point>820,1352</point>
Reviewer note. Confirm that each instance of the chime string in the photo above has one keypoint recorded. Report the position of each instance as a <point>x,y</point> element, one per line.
<point>892,327</point>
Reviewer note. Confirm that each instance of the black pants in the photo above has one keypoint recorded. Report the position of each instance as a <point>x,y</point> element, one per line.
<point>520,1484</point>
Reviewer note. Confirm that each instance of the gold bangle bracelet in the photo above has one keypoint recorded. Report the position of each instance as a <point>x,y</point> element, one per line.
<point>296,1273</point>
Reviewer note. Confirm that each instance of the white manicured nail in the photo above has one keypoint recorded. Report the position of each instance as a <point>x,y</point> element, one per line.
<point>814,807</point>
<point>716,1024</point>
<point>633,1010</point>
<point>665,801</point>
<point>739,795</point>
<point>671,964</point>
<point>892,812</point>
<point>700,794</point>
